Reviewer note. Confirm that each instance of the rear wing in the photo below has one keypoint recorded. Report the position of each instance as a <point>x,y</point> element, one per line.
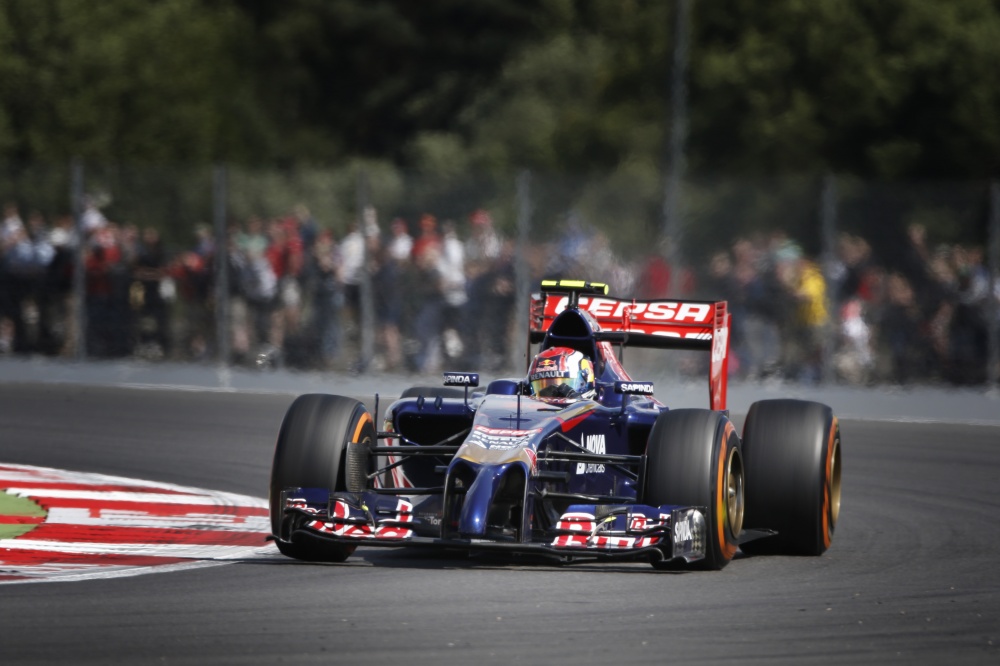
<point>661,324</point>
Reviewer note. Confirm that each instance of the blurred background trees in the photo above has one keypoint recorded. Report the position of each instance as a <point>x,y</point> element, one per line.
<point>890,89</point>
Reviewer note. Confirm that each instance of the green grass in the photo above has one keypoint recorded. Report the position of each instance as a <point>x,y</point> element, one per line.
<point>17,506</point>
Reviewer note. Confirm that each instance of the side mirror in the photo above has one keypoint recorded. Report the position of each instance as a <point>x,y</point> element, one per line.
<point>633,388</point>
<point>466,380</point>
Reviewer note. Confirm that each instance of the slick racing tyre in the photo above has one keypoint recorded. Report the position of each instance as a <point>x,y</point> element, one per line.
<point>693,458</point>
<point>310,454</point>
<point>793,462</point>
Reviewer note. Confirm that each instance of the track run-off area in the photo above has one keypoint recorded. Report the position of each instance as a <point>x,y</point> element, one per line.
<point>911,576</point>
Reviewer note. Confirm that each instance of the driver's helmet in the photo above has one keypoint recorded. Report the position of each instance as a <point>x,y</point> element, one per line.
<point>561,372</point>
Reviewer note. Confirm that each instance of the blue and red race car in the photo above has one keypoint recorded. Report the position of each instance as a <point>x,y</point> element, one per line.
<point>576,460</point>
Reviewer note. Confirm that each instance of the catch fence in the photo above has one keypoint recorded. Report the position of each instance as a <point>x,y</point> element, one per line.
<point>372,268</point>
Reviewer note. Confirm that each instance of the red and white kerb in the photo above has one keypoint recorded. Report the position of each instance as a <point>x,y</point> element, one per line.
<point>99,526</point>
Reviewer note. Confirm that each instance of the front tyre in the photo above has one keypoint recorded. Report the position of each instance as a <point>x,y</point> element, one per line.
<point>793,459</point>
<point>310,454</point>
<point>694,458</point>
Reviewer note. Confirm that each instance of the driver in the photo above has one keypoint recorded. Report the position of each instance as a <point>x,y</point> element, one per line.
<point>561,372</point>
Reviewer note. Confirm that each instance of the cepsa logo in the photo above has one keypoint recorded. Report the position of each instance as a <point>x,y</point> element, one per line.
<point>501,438</point>
<point>651,312</point>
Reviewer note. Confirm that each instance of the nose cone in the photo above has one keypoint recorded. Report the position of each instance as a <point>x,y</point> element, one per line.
<point>472,520</point>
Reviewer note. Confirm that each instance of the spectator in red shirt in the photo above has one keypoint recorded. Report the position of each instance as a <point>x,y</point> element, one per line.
<point>428,238</point>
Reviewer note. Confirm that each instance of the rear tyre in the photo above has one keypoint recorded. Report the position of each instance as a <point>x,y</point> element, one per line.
<point>793,461</point>
<point>694,458</point>
<point>309,454</point>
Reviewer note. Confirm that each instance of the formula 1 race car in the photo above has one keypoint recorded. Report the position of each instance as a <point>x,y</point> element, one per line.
<point>576,460</point>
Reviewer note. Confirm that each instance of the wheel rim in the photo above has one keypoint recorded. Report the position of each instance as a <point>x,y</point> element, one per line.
<point>734,492</point>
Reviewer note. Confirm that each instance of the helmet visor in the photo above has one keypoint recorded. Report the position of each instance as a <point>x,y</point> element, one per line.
<point>552,386</point>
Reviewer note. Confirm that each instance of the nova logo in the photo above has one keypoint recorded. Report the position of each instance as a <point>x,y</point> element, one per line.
<point>592,444</point>
<point>595,444</point>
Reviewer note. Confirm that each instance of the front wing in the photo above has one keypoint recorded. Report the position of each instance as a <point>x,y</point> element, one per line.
<point>592,530</point>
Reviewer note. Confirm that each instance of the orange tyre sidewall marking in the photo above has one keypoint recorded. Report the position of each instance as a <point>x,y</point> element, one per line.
<point>365,418</point>
<point>828,480</point>
<point>727,548</point>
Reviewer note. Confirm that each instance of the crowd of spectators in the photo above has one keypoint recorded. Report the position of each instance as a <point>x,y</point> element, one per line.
<point>443,294</point>
<point>297,292</point>
<point>440,290</point>
<point>927,316</point>
<point>919,315</point>
<point>36,276</point>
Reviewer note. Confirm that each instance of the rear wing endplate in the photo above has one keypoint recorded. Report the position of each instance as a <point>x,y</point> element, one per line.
<point>661,324</point>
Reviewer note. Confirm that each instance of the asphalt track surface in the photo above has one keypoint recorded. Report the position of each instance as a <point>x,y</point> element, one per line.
<point>912,576</point>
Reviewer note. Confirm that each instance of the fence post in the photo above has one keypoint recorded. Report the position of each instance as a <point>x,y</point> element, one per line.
<point>993,265</point>
<point>366,325</point>
<point>518,353</point>
<point>79,275</point>
<point>221,264</point>
<point>676,163</point>
<point>828,225</point>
